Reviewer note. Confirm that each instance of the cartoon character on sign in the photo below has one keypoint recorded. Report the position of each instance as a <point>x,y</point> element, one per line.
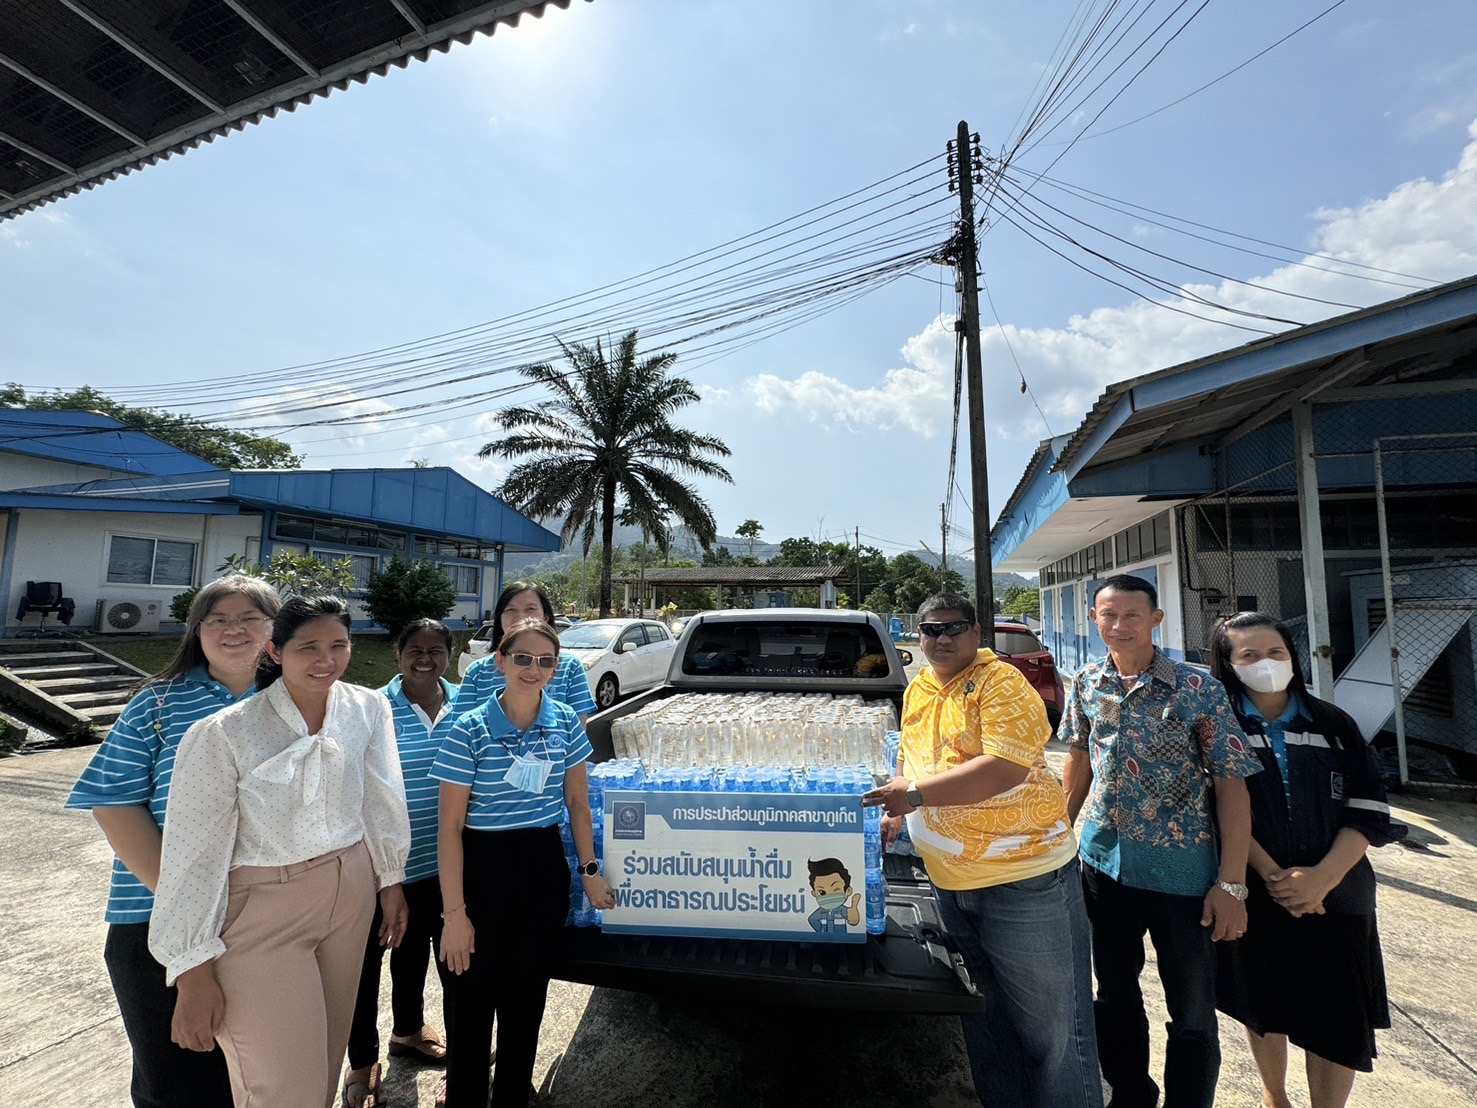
<point>831,885</point>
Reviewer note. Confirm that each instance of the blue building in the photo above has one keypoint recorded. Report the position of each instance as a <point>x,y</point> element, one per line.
<point>1327,475</point>
<point>119,517</point>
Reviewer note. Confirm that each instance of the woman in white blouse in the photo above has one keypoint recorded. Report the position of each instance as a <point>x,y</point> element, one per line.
<point>286,812</point>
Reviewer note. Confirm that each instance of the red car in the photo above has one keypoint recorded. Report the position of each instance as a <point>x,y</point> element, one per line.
<point>1017,644</point>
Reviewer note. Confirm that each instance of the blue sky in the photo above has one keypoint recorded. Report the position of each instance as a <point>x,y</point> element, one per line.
<point>621,135</point>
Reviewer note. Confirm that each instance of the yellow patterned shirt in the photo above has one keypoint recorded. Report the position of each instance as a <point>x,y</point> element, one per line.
<point>991,709</point>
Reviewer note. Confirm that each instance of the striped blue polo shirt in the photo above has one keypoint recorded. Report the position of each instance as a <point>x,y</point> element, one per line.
<point>135,762</point>
<point>569,685</point>
<point>418,746</point>
<point>480,749</point>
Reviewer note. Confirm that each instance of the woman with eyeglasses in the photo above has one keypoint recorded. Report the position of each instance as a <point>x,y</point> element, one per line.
<point>519,601</point>
<point>424,706</point>
<point>126,787</point>
<point>286,815</point>
<point>509,772</point>
<point>1309,969</point>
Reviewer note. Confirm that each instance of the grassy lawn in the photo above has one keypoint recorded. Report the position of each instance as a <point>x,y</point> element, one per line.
<point>372,664</point>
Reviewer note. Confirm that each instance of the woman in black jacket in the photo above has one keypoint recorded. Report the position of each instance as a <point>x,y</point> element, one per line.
<point>1309,968</point>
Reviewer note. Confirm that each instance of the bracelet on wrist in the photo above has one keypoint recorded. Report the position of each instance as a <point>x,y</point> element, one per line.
<point>453,911</point>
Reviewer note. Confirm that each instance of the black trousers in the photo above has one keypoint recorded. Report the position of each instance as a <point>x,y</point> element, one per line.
<point>408,964</point>
<point>164,1075</point>
<point>517,890</point>
<point>1120,916</point>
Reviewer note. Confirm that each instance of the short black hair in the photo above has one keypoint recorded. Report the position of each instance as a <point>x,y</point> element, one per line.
<point>947,602</point>
<point>1127,582</point>
<point>416,626</point>
<point>827,866</point>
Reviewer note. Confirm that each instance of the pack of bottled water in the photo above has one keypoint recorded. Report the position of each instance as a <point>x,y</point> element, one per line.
<point>817,730</point>
<point>631,773</point>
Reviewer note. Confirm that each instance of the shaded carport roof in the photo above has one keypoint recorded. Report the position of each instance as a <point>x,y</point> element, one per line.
<point>1148,442</point>
<point>736,575</point>
<point>93,89</point>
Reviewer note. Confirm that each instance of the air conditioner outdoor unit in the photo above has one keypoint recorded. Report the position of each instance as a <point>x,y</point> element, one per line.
<point>120,617</point>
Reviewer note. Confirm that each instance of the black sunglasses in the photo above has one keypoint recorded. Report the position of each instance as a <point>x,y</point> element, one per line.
<point>954,628</point>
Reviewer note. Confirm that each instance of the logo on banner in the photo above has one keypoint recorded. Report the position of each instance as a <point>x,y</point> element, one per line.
<point>630,820</point>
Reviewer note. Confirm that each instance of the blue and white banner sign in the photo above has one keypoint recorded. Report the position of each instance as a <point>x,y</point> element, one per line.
<point>736,865</point>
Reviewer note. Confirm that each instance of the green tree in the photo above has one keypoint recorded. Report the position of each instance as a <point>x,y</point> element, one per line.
<point>209,442</point>
<point>1021,601</point>
<point>404,591</point>
<point>606,435</point>
<point>879,600</point>
<point>294,574</point>
<point>750,529</point>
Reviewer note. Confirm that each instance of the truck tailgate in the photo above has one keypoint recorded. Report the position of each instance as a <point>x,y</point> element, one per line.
<point>907,969</point>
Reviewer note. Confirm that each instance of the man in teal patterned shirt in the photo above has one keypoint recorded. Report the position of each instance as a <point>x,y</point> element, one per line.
<point>1160,762</point>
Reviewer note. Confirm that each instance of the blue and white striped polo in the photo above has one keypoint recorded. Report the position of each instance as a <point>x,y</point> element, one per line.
<point>418,746</point>
<point>480,750</point>
<point>135,762</point>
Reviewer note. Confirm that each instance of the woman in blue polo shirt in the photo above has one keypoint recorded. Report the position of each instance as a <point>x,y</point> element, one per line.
<point>424,705</point>
<point>523,600</point>
<point>509,771</point>
<point>126,786</point>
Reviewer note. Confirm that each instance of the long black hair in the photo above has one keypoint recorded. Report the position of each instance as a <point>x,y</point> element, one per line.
<point>511,590</point>
<point>1220,653</point>
<point>296,611</point>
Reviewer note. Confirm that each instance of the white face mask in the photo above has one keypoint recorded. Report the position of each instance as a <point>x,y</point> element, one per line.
<point>1267,676</point>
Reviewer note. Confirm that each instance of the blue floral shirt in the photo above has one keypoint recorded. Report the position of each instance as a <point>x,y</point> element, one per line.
<point>1155,748</point>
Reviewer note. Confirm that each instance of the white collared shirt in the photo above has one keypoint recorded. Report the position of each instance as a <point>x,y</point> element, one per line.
<point>252,787</point>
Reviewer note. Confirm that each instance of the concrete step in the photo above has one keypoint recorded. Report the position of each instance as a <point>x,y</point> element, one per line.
<point>34,657</point>
<point>94,699</point>
<point>87,669</point>
<point>85,683</point>
<point>101,714</point>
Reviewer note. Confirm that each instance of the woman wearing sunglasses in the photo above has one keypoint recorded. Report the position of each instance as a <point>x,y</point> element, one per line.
<point>509,771</point>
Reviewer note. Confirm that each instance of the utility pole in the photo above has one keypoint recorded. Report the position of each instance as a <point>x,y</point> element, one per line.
<point>943,541</point>
<point>966,169</point>
<point>857,603</point>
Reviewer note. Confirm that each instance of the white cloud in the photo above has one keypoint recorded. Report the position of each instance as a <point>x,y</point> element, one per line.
<point>1422,227</point>
<point>324,445</point>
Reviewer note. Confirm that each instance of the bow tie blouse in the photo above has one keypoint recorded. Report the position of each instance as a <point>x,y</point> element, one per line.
<point>252,787</point>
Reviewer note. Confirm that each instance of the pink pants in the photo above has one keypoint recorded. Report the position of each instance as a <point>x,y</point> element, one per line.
<point>294,940</point>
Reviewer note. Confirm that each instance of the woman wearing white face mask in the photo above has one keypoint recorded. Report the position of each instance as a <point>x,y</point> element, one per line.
<point>1309,969</point>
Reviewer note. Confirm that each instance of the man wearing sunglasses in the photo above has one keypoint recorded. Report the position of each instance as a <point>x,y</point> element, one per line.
<point>990,822</point>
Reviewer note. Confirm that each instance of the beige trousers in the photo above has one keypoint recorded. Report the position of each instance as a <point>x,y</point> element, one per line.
<point>294,940</point>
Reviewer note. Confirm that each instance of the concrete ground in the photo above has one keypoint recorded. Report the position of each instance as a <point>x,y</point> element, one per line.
<point>61,1042</point>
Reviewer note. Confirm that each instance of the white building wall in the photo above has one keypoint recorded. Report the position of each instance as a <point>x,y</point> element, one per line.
<point>72,547</point>
<point>21,471</point>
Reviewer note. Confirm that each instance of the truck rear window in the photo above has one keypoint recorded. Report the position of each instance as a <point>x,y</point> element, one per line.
<point>774,648</point>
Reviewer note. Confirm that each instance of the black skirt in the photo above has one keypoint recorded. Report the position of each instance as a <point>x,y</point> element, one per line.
<point>1319,980</point>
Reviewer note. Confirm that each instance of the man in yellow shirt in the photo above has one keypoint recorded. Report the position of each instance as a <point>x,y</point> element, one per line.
<point>990,822</point>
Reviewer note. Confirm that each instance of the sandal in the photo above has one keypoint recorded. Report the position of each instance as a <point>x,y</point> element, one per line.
<point>363,1094</point>
<point>425,1047</point>
<point>441,1093</point>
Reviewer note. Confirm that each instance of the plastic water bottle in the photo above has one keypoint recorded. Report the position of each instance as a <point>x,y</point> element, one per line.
<point>872,838</point>
<point>876,904</point>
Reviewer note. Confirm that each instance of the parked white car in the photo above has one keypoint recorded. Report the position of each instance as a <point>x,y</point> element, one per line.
<point>480,644</point>
<point>620,656</point>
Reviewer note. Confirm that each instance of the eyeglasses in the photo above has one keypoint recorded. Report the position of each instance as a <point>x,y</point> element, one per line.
<point>246,623</point>
<point>954,628</point>
<point>523,661</point>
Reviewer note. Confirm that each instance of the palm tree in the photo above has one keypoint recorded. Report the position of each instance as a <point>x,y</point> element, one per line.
<point>606,434</point>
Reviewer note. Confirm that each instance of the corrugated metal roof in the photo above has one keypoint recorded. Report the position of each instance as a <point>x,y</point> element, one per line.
<point>88,438</point>
<point>93,89</point>
<point>738,575</point>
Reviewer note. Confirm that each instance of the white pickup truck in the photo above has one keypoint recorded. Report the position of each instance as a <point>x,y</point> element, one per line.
<point>908,968</point>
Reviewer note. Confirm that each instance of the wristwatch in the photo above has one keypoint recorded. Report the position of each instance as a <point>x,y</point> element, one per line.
<point>590,868</point>
<point>1238,891</point>
<point>913,795</point>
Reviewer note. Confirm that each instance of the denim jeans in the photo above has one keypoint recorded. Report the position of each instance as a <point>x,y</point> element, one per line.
<point>1120,916</point>
<point>1025,945</point>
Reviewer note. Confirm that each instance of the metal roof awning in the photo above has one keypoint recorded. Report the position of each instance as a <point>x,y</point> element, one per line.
<point>93,89</point>
<point>736,575</point>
